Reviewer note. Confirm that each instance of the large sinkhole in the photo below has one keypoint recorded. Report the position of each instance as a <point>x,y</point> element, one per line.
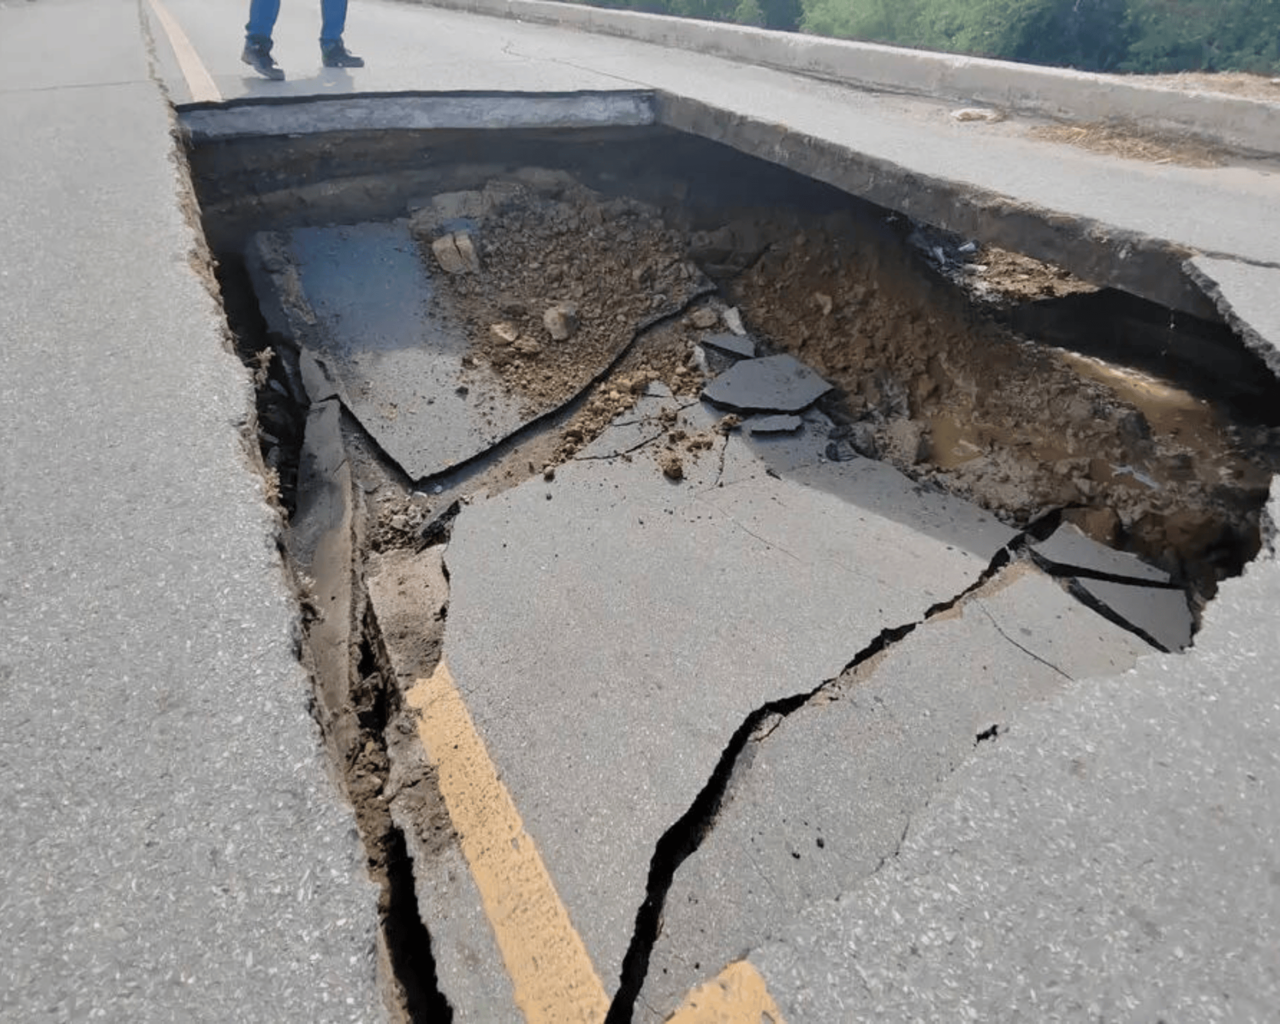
<point>440,316</point>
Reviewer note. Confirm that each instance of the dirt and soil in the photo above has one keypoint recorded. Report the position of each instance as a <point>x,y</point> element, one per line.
<point>953,399</point>
<point>566,279</point>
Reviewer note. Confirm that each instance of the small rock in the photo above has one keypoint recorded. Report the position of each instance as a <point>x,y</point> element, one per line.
<point>704,318</point>
<point>527,347</point>
<point>505,332</point>
<point>672,466</point>
<point>824,302</point>
<point>549,474</point>
<point>456,253</point>
<point>733,320</point>
<point>561,321</point>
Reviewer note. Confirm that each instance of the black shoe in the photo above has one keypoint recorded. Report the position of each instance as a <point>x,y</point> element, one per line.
<point>257,54</point>
<point>335,55</point>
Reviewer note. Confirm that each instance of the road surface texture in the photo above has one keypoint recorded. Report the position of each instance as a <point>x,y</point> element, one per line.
<point>1030,813</point>
<point>174,848</point>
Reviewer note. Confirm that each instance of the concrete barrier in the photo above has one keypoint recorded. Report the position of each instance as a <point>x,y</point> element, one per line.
<point>1249,125</point>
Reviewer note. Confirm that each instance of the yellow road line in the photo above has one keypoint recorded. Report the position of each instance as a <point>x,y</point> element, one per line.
<point>737,995</point>
<point>199,81</point>
<point>550,970</point>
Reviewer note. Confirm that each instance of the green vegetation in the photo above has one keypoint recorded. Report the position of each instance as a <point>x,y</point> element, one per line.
<point>1146,36</point>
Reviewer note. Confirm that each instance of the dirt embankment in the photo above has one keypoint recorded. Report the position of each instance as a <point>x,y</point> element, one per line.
<point>954,399</point>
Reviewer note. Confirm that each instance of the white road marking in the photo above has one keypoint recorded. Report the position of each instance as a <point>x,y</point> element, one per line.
<point>199,81</point>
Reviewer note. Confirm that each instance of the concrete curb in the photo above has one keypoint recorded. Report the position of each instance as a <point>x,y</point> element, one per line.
<point>1244,124</point>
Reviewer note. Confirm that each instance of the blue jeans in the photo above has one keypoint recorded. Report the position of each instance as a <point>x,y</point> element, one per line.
<point>262,19</point>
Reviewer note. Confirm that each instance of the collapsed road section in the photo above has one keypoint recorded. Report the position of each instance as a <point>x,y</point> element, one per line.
<point>668,526</point>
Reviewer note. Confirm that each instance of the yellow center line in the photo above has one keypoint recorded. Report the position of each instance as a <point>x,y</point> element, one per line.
<point>737,995</point>
<point>550,970</point>
<point>199,81</point>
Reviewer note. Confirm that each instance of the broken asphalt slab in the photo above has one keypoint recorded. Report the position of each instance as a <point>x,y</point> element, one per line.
<point>606,704</point>
<point>1119,584</point>
<point>1245,295</point>
<point>1111,856</point>
<point>821,798</point>
<point>731,343</point>
<point>771,384</point>
<point>359,298</point>
<point>321,542</point>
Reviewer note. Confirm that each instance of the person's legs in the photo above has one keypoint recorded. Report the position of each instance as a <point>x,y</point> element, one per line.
<point>333,18</point>
<point>262,20</point>
<point>257,38</point>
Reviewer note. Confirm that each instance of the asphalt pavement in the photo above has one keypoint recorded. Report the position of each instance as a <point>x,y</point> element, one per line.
<point>173,846</point>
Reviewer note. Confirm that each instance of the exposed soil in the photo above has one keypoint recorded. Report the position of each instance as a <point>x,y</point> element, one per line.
<point>566,278</point>
<point>952,398</point>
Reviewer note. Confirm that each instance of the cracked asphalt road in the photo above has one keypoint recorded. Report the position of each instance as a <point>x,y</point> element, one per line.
<point>174,847</point>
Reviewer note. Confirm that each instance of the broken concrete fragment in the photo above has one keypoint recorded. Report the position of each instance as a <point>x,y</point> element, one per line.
<point>316,380</point>
<point>733,344</point>
<point>804,825</point>
<point>1159,612</point>
<point>456,253</point>
<point>977,114</point>
<point>1144,602</point>
<point>1068,548</point>
<point>862,438</point>
<point>773,384</point>
<point>321,542</point>
<point>733,320</point>
<point>774,424</point>
<point>561,321</point>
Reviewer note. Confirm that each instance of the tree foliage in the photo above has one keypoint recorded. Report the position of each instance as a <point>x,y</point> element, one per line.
<point>1146,36</point>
